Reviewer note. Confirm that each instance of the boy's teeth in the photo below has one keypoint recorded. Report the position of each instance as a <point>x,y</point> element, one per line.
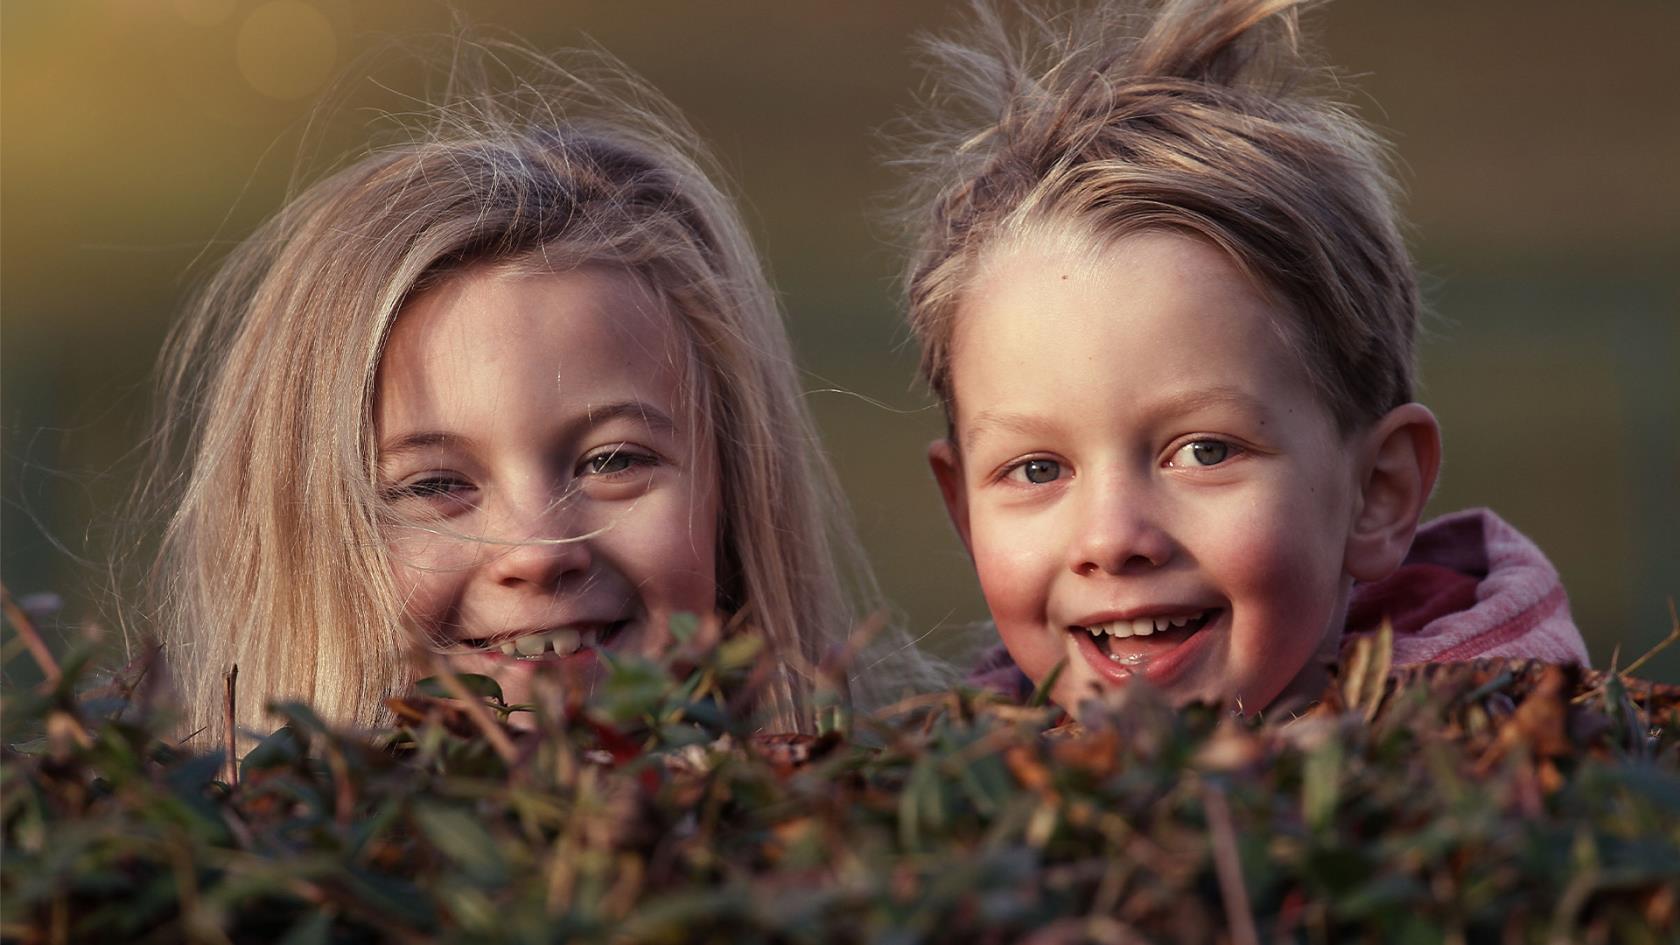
<point>564,642</point>
<point>531,645</point>
<point>1142,626</point>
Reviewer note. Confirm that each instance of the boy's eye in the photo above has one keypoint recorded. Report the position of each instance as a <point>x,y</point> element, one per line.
<point>1202,453</point>
<point>1039,471</point>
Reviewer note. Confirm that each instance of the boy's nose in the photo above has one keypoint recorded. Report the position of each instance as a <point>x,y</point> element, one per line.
<point>1117,533</point>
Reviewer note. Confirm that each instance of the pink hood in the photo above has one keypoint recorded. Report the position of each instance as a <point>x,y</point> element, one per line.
<point>1471,587</point>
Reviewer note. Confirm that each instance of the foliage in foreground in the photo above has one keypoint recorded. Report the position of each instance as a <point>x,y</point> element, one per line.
<point>1469,802</point>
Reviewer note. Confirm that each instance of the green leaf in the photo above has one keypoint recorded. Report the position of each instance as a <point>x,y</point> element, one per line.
<point>482,686</point>
<point>1041,694</point>
<point>463,839</point>
<point>282,747</point>
<point>684,626</point>
<point>1321,778</point>
<point>313,929</point>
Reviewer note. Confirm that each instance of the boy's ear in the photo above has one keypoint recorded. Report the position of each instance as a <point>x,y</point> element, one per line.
<point>1400,457</point>
<point>947,471</point>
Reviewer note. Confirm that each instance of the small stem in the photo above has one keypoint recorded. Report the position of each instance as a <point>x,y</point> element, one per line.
<point>1663,644</point>
<point>1228,867</point>
<point>230,735</point>
<point>31,637</point>
<point>474,707</point>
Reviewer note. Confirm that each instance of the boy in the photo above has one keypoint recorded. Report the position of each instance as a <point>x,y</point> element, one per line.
<point>1163,298</point>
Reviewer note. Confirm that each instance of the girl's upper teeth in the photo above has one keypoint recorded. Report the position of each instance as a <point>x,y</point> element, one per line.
<point>562,642</point>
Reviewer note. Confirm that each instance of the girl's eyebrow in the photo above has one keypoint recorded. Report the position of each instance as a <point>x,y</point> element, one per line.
<point>638,410</point>
<point>415,442</point>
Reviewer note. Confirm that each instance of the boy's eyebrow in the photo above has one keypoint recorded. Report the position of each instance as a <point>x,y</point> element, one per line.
<point>989,421</point>
<point>638,410</point>
<point>993,421</point>
<point>1217,396</point>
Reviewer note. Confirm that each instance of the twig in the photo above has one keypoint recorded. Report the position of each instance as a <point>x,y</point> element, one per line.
<point>474,707</point>
<point>1228,867</point>
<point>230,735</point>
<point>1663,644</point>
<point>31,637</point>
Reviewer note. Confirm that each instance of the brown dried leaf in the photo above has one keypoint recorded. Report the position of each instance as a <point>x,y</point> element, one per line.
<point>1028,769</point>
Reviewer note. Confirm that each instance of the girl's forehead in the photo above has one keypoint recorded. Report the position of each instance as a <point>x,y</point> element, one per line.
<point>508,306</point>
<point>494,345</point>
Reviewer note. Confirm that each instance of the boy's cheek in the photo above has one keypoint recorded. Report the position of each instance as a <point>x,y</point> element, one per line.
<point>1015,586</point>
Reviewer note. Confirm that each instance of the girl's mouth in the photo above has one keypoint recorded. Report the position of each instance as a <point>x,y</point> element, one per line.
<point>1147,646</point>
<point>553,644</point>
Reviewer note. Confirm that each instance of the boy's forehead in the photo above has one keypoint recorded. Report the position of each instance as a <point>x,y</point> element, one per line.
<point>1047,325</point>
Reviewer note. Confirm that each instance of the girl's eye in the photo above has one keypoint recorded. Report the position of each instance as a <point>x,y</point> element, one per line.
<point>1039,471</point>
<point>429,487</point>
<point>1202,453</point>
<point>616,460</point>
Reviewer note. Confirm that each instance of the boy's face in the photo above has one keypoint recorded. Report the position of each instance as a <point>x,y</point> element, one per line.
<point>1143,474</point>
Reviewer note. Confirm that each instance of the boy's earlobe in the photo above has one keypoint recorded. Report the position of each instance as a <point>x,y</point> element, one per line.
<point>1401,455</point>
<point>946,463</point>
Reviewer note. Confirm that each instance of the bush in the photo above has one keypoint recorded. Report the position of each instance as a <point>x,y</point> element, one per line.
<point>1506,802</point>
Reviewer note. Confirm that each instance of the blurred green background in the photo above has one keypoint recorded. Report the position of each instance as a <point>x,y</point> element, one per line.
<point>1540,140</point>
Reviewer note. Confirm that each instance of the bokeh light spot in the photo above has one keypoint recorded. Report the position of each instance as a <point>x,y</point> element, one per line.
<point>204,12</point>
<point>286,49</point>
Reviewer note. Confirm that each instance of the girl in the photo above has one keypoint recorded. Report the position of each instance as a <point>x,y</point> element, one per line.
<point>516,390</point>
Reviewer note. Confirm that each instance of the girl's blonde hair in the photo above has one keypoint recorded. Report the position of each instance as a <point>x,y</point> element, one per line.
<point>1184,114</point>
<point>273,559</point>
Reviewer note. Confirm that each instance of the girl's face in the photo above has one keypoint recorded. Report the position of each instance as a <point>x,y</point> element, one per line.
<point>551,500</point>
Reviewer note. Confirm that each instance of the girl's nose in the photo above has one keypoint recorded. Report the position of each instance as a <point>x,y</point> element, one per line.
<point>543,563</point>
<point>1118,530</point>
<point>546,555</point>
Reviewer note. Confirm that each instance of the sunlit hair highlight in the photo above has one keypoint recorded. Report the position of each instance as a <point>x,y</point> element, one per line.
<point>1190,115</point>
<point>274,557</point>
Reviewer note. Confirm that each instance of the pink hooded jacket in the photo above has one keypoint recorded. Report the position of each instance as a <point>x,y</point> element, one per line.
<point>1471,587</point>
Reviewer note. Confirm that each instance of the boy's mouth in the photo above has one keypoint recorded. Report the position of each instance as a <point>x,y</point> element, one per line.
<point>1133,643</point>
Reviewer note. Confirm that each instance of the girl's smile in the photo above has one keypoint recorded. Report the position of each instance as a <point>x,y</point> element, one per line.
<point>545,498</point>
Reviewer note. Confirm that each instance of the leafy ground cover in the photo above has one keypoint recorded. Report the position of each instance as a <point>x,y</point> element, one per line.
<point>1498,802</point>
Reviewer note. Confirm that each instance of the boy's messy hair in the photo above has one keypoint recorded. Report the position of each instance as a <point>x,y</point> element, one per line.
<point>273,557</point>
<point>1190,115</point>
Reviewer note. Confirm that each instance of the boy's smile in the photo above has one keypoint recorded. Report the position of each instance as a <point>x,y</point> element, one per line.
<point>1144,474</point>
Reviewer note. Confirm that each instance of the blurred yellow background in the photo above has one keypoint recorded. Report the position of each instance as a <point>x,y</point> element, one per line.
<point>139,139</point>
